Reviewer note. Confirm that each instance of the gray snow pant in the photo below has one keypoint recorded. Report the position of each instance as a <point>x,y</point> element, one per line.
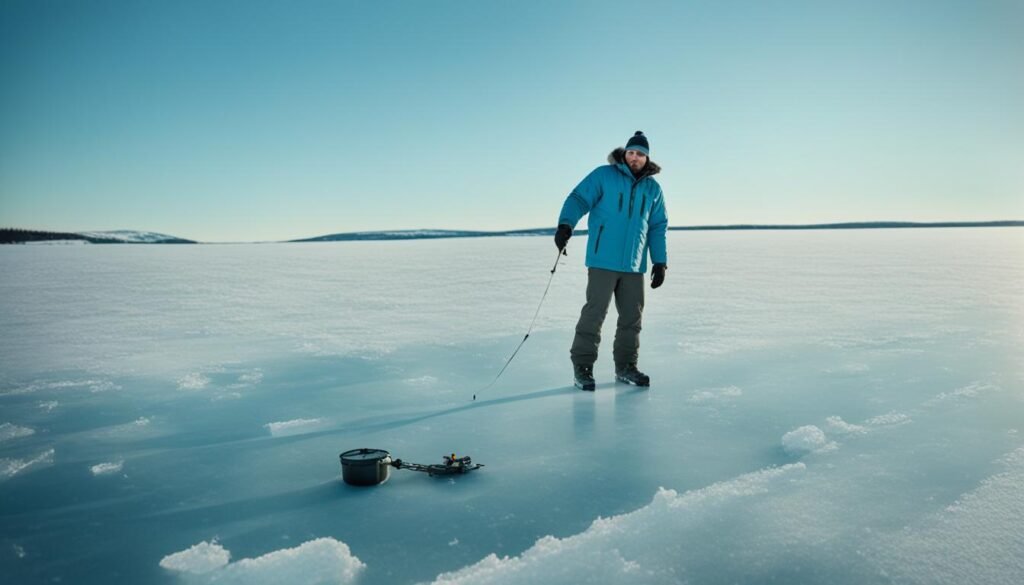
<point>628,288</point>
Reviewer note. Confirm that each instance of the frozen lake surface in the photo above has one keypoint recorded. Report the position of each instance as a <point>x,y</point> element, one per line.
<point>826,406</point>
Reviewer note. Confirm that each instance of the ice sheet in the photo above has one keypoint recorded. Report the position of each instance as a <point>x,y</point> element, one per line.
<point>202,394</point>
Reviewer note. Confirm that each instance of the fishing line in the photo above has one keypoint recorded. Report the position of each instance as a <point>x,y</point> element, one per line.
<point>530,329</point>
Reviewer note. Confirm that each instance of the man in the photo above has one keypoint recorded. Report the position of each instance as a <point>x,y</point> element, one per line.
<point>627,218</point>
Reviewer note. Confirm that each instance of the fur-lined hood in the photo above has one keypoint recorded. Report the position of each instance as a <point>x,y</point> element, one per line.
<point>618,156</point>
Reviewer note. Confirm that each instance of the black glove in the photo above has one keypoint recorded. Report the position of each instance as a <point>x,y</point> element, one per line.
<point>658,275</point>
<point>562,235</point>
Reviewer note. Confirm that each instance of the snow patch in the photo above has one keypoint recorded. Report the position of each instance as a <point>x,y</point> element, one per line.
<point>107,468</point>
<point>197,559</point>
<point>49,405</point>
<point>251,378</point>
<point>837,425</point>
<point>618,549</point>
<point>130,236</point>
<point>92,385</point>
<point>11,467</point>
<point>193,381</point>
<point>293,427</point>
<point>969,391</point>
<point>323,561</point>
<point>103,386</point>
<point>10,431</point>
<point>806,439</point>
<point>888,419</point>
<point>976,540</point>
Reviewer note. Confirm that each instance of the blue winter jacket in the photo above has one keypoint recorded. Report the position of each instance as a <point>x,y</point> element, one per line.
<point>627,216</point>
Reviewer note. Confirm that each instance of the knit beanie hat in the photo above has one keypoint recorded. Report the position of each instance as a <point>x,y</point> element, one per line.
<point>639,142</point>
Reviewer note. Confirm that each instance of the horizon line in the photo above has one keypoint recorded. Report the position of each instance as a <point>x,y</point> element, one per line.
<point>97,236</point>
<point>432,233</point>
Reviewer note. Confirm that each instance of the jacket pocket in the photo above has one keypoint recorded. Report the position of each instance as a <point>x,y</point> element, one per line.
<point>620,202</point>
<point>597,241</point>
<point>643,204</point>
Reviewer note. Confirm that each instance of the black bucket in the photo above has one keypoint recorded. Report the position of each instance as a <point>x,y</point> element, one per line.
<point>365,466</point>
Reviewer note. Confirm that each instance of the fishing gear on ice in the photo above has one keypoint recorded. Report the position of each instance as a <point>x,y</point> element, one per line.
<point>561,252</point>
<point>372,466</point>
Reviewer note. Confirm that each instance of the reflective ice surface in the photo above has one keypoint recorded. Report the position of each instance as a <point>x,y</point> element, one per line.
<point>828,406</point>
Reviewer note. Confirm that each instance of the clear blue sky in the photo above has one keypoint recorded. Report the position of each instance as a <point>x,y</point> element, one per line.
<point>246,120</point>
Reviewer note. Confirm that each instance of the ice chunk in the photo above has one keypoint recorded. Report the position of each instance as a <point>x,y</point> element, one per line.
<point>804,440</point>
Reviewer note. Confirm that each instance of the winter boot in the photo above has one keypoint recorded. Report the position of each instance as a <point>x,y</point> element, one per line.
<point>630,375</point>
<point>584,377</point>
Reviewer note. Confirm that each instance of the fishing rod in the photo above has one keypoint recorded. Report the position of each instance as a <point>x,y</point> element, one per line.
<point>561,252</point>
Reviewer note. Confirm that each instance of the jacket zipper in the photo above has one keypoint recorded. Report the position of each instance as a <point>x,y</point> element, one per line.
<point>643,203</point>
<point>597,242</point>
<point>620,202</point>
<point>632,197</point>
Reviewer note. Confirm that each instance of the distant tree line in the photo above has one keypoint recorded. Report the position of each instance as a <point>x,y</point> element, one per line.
<point>19,236</point>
